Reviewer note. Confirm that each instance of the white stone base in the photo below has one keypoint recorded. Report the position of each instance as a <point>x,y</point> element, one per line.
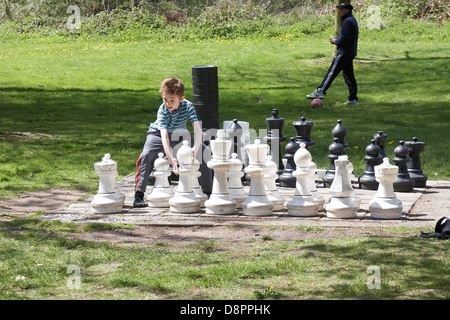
<point>107,203</point>
<point>184,202</point>
<point>385,208</point>
<point>342,208</point>
<point>220,204</point>
<point>159,197</point>
<point>303,206</point>
<point>257,206</point>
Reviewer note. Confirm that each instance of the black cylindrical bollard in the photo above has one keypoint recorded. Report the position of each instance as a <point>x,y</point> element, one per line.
<point>205,92</point>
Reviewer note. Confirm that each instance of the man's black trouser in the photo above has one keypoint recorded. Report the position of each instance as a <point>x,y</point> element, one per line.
<point>344,63</point>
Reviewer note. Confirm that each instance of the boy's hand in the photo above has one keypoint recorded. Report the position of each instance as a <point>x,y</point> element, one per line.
<point>173,162</point>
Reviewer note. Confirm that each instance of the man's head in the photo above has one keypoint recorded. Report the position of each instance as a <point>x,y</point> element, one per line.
<point>172,92</point>
<point>344,8</point>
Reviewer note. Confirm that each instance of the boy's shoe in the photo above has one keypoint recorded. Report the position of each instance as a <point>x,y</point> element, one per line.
<point>353,102</point>
<point>139,200</point>
<point>316,94</point>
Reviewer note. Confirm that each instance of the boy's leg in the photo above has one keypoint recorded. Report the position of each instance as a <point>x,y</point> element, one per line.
<point>350,80</point>
<point>144,165</point>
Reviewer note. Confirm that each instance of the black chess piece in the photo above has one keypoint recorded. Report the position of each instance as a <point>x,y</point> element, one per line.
<point>339,131</point>
<point>303,130</point>
<point>403,183</point>
<point>275,137</point>
<point>336,149</point>
<point>373,157</point>
<point>415,148</point>
<point>380,138</point>
<point>287,179</point>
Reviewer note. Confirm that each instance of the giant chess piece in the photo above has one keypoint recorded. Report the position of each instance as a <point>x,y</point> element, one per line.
<point>235,174</point>
<point>414,168</point>
<point>234,133</point>
<point>275,137</point>
<point>196,185</point>
<point>286,178</point>
<point>385,204</point>
<point>367,180</point>
<point>341,204</point>
<point>315,194</point>
<point>380,139</point>
<point>220,201</point>
<point>257,203</point>
<point>270,178</point>
<point>303,204</point>
<point>185,200</point>
<point>108,199</point>
<point>162,192</point>
<point>336,149</point>
<point>404,182</point>
<point>303,130</point>
<point>340,131</point>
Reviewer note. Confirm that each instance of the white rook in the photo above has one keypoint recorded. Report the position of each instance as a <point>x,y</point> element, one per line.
<point>108,199</point>
<point>385,204</point>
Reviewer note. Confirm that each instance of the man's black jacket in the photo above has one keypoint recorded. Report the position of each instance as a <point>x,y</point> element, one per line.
<point>347,41</point>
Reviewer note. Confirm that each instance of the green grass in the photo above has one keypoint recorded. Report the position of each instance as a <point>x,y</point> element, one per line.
<point>92,98</point>
<point>38,260</point>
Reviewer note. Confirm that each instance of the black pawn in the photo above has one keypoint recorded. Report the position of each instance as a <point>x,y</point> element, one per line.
<point>287,179</point>
<point>380,137</point>
<point>339,131</point>
<point>336,149</point>
<point>403,183</point>
<point>303,130</point>
<point>414,168</point>
<point>275,137</point>
<point>373,157</point>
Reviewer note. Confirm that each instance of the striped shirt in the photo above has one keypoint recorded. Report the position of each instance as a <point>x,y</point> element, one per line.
<point>173,120</point>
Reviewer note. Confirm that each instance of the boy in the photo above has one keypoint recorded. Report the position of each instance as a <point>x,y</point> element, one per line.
<point>171,120</point>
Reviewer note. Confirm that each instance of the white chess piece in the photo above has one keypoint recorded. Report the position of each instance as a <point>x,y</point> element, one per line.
<point>185,200</point>
<point>303,204</point>
<point>257,203</point>
<point>270,178</point>
<point>341,203</point>
<point>162,192</point>
<point>235,173</point>
<point>108,199</point>
<point>220,201</point>
<point>385,204</point>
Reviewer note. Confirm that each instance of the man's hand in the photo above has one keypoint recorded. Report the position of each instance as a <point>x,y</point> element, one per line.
<point>332,40</point>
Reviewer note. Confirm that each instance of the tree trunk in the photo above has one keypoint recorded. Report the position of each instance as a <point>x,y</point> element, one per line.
<point>337,23</point>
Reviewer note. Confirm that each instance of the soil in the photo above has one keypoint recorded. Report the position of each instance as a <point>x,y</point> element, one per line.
<point>433,203</point>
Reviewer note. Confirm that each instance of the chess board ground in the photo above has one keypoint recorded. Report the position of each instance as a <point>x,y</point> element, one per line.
<point>422,208</point>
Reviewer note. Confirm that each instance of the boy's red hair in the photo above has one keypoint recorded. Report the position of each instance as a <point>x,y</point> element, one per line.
<point>172,86</point>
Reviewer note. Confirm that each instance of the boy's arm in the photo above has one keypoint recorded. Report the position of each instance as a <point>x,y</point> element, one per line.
<point>198,135</point>
<point>167,150</point>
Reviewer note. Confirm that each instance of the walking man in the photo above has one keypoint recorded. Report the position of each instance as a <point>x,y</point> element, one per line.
<point>346,43</point>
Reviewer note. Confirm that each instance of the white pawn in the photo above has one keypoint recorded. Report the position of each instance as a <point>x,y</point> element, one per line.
<point>257,203</point>
<point>185,200</point>
<point>385,204</point>
<point>108,199</point>
<point>270,178</point>
<point>220,201</point>
<point>315,194</point>
<point>162,192</point>
<point>235,173</point>
<point>303,204</point>
<point>196,186</point>
<point>341,203</point>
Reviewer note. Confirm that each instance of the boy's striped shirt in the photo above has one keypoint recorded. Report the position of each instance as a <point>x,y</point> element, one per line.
<point>176,119</point>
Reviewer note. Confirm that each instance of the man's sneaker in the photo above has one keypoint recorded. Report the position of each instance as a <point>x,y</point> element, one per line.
<point>353,102</point>
<point>139,200</point>
<point>316,94</point>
